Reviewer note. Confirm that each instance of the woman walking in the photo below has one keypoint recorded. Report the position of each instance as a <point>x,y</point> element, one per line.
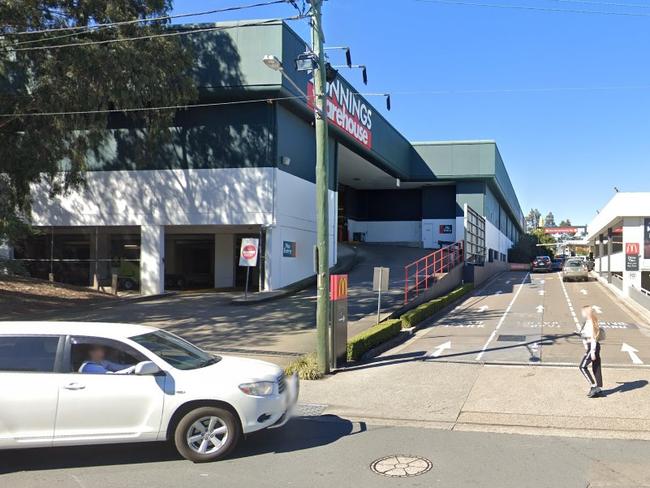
<point>591,335</point>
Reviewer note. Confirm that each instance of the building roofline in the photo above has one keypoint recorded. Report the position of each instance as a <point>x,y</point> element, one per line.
<point>450,143</point>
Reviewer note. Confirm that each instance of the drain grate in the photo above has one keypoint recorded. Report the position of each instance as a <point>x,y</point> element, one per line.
<point>511,338</point>
<point>401,466</point>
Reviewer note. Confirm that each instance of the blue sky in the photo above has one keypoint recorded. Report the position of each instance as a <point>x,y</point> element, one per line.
<point>565,95</point>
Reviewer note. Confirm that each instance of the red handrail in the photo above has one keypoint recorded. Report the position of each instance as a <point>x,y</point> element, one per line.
<point>420,274</point>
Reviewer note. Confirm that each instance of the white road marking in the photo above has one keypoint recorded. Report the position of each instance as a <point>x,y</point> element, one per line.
<point>571,309</point>
<point>498,292</point>
<point>632,352</point>
<point>542,292</point>
<point>438,350</point>
<point>483,308</point>
<point>540,308</point>
<point>583,291</point>
<point>508,282</point>
<point>597,309</point>
<point>503,318</point>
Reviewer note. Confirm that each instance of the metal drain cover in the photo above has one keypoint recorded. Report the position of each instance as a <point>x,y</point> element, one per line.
<point>511,338</point>
<point>401,466</point>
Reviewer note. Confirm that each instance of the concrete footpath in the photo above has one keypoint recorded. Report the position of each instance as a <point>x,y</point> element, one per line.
<point>545,400</point>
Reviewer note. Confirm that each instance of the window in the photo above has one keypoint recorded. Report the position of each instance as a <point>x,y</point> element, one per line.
<point>177,352</point>
<point>111,355</point>
<point>28,353</point>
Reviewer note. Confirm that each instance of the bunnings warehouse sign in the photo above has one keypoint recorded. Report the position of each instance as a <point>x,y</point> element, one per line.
<point>346,110</point>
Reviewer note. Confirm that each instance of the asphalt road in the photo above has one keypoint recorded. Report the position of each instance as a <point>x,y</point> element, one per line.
<point>330,451</point>
<point>524,318</point>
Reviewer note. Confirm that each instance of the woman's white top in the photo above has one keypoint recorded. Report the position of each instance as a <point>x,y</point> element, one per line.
<point>587,334</point>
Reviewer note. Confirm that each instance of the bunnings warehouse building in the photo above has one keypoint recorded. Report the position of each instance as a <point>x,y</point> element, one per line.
<point>176,217</point>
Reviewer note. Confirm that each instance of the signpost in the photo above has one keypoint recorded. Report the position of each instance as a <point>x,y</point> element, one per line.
<point>248,257</point>
<point>632,251</point>
<point>339,320</point>
<point>380,283</point>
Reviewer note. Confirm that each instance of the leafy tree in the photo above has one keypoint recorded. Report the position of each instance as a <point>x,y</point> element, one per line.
<point>565,223</point>
<point>532,219</point>
<point>149,72</point>
<point>549,221</point>
<point>527,247</point>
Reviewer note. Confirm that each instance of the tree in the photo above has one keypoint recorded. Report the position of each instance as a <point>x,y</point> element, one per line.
<point>129,74</point>
<point>532,218</point>
<point>549,220</point>
<point>528,247</point>
<point>565,223</point>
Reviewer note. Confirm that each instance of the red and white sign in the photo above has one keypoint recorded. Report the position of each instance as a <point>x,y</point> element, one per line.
<point>561,230</point>
<point>347,111</point>
<point>632,249</point>
<point>248,252</point>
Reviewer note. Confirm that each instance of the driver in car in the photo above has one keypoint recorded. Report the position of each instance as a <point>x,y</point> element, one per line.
<point>98,364</point>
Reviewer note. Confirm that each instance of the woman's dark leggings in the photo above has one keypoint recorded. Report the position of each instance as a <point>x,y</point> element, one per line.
<point>595,366</point>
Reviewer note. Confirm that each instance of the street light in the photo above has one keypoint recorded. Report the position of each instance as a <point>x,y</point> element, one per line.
<point>273,62</point>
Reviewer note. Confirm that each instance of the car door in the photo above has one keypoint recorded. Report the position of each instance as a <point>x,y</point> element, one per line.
<point>28,386</point>
<point>97,408</point>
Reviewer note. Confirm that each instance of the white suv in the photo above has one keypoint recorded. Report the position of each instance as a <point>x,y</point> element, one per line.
<point>68,384</point>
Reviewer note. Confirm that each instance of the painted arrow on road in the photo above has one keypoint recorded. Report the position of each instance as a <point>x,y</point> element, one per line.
<point>540,308</point>
<point>632,352</point>
<point>439,349</point>
<point>597,309</point>
<point>583,291</point>
<point>483,308</point>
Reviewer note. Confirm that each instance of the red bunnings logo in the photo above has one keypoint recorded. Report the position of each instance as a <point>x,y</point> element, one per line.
<point>347,111</point>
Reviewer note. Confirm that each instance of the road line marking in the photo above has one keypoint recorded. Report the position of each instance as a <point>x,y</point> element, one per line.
<point>571,309</point>
<point>438,350</point>
<point>503,318</point>
<point>632,352</point>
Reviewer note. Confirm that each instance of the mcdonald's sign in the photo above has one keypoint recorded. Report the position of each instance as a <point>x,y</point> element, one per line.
<point>338,287</point>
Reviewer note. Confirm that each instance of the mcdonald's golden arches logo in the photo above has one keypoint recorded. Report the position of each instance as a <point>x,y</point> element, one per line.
<point>338,287</point>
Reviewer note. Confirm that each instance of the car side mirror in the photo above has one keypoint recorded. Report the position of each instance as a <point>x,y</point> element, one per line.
<point>146,368</point>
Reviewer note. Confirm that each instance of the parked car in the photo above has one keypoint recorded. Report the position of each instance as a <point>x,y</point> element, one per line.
<point>155,387</point>
<point>575,269</point>
<point>541,263</point>
<point>557,264</point>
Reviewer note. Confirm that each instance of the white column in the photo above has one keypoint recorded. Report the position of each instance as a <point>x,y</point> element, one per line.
<point>632,233</point>
<point>152,259</point>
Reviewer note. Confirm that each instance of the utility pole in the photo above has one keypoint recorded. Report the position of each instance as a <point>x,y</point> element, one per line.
<point>322,170</point>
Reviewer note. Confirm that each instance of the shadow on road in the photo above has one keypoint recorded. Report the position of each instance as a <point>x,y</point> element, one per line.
<point>302,433</point>
<point>625,387</point>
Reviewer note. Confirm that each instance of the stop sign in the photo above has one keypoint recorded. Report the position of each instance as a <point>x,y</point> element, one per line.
<point>249,251</point>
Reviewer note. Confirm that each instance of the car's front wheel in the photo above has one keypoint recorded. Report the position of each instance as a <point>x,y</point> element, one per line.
<point>207,434</point>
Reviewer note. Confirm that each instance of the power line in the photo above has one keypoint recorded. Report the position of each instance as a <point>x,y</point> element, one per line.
<point>153,36</point>
<point>533,8</point>
<point>147,19</point>
<point>604,4</point>
<point>148,109</point>
<point>520,90</point>
<point>302,97</point>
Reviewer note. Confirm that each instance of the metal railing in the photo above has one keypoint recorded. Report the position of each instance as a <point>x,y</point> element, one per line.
<point>421,274</point>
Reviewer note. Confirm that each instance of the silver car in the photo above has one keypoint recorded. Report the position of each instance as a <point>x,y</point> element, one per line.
<point>575,269</point>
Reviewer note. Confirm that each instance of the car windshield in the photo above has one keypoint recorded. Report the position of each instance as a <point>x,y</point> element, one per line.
<point>574,263</point>
<point>176,351</point>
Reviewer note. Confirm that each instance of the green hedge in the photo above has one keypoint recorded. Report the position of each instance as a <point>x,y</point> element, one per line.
<point>427,309</point>
<point>372,337</point>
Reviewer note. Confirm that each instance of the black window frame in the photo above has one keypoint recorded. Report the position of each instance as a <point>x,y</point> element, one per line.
<point>57,367</point>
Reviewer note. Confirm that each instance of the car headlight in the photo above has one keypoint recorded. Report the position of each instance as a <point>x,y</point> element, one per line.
<point>259,388</point>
